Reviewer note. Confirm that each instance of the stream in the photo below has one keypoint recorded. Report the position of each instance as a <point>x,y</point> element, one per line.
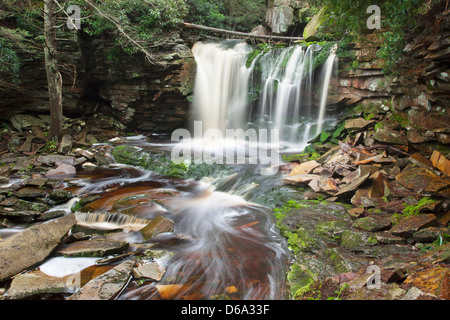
<point>224,243</point>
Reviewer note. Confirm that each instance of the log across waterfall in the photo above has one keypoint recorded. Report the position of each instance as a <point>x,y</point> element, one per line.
<point>291,93</point>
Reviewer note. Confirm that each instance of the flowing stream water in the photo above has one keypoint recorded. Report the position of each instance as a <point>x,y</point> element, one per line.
<point>225,242</point>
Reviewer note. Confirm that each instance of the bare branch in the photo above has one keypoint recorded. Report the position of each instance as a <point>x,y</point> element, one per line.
<point>148,55</point>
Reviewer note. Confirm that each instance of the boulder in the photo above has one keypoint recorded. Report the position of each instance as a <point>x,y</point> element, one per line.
<point>32,246</point>
<point>312,28</point>
<point>358,124</point>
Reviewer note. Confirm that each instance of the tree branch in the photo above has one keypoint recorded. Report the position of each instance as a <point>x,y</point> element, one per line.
<point>148,55</point>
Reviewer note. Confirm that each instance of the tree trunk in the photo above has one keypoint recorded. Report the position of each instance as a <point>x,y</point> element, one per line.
<point>54,79</point>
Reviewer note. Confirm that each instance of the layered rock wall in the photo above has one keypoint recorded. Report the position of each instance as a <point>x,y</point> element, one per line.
<point>419,96</point>
<point>141,95</point>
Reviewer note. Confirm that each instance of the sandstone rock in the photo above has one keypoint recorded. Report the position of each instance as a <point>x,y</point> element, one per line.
<point>300,179</point>
<point>150,270</point>
<point>421,179</point>
<point>32,245</point>
<point>353,185</point>
<point>421,161</point>
<point>157,226</point>
<point>62,170</point>
<point>358,124</point>
<point>407,226</point>
<point>440,162</point>
<point>435,281</point>
<point>416,294</point>
<point>372,223</point>
<point>107,285</point>
<point>36,283</point>
<point>391,136</point>
<point>305,168</point>
<point>325,184</point>
<point>30,192</point>
<point>98,247</point>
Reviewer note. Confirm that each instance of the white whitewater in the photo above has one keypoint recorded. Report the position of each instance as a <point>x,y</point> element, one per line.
<point>330,66</point>
<point>221,85</point>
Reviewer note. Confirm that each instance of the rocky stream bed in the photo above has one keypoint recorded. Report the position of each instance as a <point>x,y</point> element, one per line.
<point>362,221</point>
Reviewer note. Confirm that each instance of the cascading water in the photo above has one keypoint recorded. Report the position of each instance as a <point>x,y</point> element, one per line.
<point>284,79</point>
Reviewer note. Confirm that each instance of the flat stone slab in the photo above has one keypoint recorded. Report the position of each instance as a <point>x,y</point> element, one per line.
<point>32,246</point>
<point>150,270</point>
<point>36,283</point>
<point>300,179</point>
<point>408,226</point>
<point>107,285</point>
<point>305,168</point>
<point>98,247</point>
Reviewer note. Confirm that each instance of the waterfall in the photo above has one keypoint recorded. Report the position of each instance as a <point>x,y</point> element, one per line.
<point>221,85</point>
<point>330,65</point>
<point>284,81</point>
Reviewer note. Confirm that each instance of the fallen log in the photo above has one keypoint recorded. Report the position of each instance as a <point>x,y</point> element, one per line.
<point>240,34</point>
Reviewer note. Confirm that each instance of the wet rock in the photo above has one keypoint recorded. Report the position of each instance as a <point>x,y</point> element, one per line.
<point>51,214</point>
<point>107,285</point>
<point>30,192</point>
<point>60,196</point>
<point>408,226</point>
<point>421,179</point>
<point>421,161</point>
<point>63,170</point>
<point>33,206</point>
<point>32,245</point>
<point>151,270</point>
<point>36,283</point>
<point>157,226</point>
<point>372,223</point>
<point>98,247</point>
